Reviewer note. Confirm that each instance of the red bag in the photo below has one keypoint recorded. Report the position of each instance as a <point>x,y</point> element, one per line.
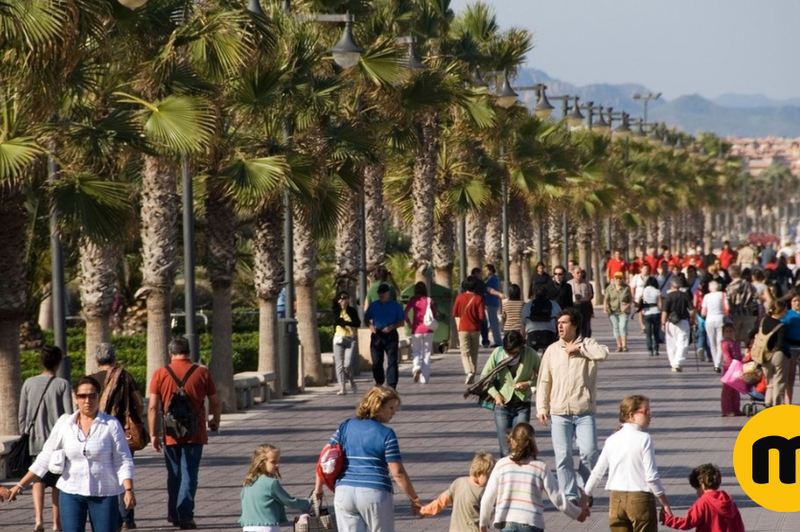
<point>330,465</point>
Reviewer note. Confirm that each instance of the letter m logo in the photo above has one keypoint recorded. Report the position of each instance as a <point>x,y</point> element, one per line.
<point>787,450</point>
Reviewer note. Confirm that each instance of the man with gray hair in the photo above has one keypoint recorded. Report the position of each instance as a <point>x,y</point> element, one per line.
<point>120,398</point>
<point>676,314</point>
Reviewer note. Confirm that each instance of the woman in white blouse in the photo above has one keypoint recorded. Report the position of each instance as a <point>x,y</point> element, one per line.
<point>97,465</point>
<point>714,310</point>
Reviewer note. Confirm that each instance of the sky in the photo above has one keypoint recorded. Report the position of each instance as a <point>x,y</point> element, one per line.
<point>677,47</point>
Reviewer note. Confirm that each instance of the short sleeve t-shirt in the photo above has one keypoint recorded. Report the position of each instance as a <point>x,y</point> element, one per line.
<point>712,302</point>
<point>368,446</point>
<point>678,302</point>
<point>490,300</point>
<point>199,386</point>
<point>466,498</point>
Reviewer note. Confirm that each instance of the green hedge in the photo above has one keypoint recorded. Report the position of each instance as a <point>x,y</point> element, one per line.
<point>132,353</point>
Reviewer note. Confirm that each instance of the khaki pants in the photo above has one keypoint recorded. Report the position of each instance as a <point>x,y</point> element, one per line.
<point>632,511</point>
<point>775,371</point>
<point>468,342</point>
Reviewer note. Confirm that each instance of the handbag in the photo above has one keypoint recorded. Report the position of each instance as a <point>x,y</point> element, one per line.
<point>19,457</point>
<point>482,387</point>
<point>428,319</point>
<point>135,433</point>
<point>319,520</point>
<point>733,377</point>
<point>331,461</point>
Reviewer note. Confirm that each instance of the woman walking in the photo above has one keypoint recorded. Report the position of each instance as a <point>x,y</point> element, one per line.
<point>421,334</point>
<point>714,310</point>
<point>512,310</point>
<point>616,304</point>
<point>347,323</point>
<point>97,464</point>
<point>43,400</point>
<point>650,304</point>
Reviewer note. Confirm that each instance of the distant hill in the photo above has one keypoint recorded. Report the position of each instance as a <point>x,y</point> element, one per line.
<point>741,115</point>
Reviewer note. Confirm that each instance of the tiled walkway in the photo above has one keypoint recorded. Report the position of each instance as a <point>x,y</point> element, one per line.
<point>439,432</point>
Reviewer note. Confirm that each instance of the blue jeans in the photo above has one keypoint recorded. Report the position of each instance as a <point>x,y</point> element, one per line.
<point>652,326</point>
<point>563,429</point>
<point>183,465</point>
<point>494,325</point>
<point>363,509</point>
<point>702,339</point>
<point>506,418</point>
<point>519,527</point>
<point>619,324</point>
<point>103,512</point>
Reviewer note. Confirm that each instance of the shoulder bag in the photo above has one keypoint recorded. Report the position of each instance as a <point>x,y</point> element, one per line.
<point>331,461</point>
<point>429,320</point>
<point>19,457</point>
<point>481,388</point>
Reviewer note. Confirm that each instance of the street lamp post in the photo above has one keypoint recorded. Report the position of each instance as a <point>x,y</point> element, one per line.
<point>646,99</point>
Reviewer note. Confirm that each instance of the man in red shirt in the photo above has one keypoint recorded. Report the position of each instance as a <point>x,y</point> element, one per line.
<point>727,256</point>
<point>671,259</point>
<point>469,311</point>
<point>183,454</point>
<point>653,259</point>
<point>616,264</point>
<point>636,264</point>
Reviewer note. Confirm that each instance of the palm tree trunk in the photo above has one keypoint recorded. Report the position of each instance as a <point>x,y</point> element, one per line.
<point>375,214</point>
<point>585,247</point>
<point>160,254</point>
<point>519,235</point>
<point>476,235</point>
<point>444,250</point>
<point>221,257</point>
<point>493,244</point>
<point>98,281</point>
<point>708,229</point>
<point>347,245</point>
<point>305,278</point>
<point>46,312</point>
<point>13,239</point>
<point>424,192</point>
<point>268,277</point>
<point>554,236</point>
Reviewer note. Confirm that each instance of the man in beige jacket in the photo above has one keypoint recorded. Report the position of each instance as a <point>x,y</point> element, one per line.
<point>567,392</point>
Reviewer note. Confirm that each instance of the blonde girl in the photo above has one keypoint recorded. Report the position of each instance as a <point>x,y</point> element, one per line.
<point>633,478</point>
<point>264,500</point>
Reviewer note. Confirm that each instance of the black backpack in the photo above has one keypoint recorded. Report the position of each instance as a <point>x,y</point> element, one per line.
<point>180,419</point>
<point>541,310</point>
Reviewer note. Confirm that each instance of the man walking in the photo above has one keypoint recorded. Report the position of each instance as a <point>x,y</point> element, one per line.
<point>678,310</point>
<point>492,302</point>
<point>469,313</point>
<point>384,317</point>
<point>567,391</point>
<point>185,433</point>
<point>561,291</point>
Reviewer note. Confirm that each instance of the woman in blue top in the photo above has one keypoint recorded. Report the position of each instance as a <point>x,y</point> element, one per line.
<point>363,499</point>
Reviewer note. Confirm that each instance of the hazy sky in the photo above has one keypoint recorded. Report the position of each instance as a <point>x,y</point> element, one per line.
<point>676,47</point>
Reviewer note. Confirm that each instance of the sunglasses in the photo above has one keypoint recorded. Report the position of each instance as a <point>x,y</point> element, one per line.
<point>645,411</point>
<point>83,396</point>
<point>558,274</point>
<point>344,297</point>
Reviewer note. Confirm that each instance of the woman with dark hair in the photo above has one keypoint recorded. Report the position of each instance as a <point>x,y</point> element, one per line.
<point>650,304</point>
<point>511,387</point>
<point>43,400</point>
<point>421,334</point>
<point>512,310</point>
<point>513,499</point>
<point>97,464</point>
<point>346,322</point>
<point>540,276</point>
<point>364,500</point>
<point>703,353</point>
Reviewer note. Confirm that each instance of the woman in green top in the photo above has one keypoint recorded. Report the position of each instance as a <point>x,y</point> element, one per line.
<point>617,304</point>
<point>512,387</point>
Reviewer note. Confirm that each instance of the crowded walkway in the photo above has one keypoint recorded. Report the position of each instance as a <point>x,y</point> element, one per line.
<point>439,433</point>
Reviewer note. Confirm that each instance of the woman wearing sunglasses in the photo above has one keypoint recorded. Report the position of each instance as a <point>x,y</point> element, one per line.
<point>344,338</point>
<point>97,464</point>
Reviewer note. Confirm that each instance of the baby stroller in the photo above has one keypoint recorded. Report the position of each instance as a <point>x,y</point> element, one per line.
<point>756,398</point>
<point>748,379</point>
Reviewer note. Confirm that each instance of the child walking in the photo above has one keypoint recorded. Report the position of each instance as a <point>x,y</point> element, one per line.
<point>264,500</point>
<point>714,510</point>
<point>633,478</point>
<point>465,496</point>
<point>515,491</point>
<point>729,400</point>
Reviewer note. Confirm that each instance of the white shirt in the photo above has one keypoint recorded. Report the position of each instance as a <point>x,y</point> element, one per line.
<point>96,464</point>
<point>713,303</point>
<point>637,285</point>
<point>630,459</point>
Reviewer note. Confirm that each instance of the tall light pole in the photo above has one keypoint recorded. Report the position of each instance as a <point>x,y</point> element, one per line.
<point>646,99</point>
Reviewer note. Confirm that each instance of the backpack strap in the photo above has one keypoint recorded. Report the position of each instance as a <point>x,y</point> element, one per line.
<point>38,406</point>
<point>181,383</point>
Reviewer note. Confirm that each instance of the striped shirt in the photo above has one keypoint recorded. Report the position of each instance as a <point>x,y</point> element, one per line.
<point>514,492</point>
<point>512,315</point>
<point>368,447</point>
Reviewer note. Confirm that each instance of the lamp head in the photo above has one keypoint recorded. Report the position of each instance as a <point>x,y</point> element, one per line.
<point>575,117</point>
<point>506,97</point>
<point>254,7</point>
<point>601,126</point>
<point>346,53</point>
<point>543,109</point>
<point>132,4</point>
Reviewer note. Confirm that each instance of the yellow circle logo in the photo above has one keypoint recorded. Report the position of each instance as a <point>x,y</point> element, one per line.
<point>765,458</point>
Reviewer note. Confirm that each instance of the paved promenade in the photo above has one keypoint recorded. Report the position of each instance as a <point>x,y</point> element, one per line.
<point>439,432</point>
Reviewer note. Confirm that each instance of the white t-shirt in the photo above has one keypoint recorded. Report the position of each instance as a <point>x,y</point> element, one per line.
<point>637,284</point>
<point>713,304</point>
<point>650,298</point>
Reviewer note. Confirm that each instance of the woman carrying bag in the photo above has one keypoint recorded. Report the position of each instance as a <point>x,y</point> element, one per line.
<point>347,323</point>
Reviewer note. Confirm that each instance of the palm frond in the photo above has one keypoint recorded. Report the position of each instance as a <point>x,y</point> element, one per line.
<point>98,207</point>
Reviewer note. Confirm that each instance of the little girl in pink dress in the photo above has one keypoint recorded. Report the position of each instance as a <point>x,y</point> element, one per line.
<point>730,351</point>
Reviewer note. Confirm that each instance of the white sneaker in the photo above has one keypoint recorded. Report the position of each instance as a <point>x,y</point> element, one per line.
<point>469,379</point>
<point>416,373</point>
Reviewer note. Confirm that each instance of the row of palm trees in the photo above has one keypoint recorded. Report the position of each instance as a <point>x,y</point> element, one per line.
<point>253,105</point>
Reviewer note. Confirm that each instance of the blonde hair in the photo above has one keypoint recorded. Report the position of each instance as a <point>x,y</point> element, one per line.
<point>482,464</point>
<point>376,398</point>
<point>258,466</point>
<point>522,443</point>
<point>629,405</point>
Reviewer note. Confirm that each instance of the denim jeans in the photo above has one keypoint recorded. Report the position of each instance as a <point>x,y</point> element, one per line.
<point>102,511</point>
<point>519,527</point>
<point>363,509</point>
<point>183,465</point>
<point>702,339</point>
<point>506,418</point>
<point>494,325</point>
<point>343,358</point>
<point>619,324</point>
<point>582,428</point>
<point>379,345</point>
<point>652,326</point>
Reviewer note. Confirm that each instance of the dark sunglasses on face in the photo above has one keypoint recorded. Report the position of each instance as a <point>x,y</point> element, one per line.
<point>83,396</point>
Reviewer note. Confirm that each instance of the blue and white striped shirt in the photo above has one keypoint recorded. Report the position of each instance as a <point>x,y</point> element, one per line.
<point>368,446</point>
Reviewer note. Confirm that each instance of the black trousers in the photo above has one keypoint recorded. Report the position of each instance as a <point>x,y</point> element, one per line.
<point>586,310</point>
<point>384,344</point>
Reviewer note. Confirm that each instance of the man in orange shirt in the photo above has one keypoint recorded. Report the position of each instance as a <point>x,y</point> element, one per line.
<point>469,311</point>
<point>727,256</point>
<point>616,264</point>
<point>182,454</point>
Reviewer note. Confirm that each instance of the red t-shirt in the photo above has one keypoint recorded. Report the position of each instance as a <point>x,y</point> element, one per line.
<point>674,261</point>
<point>615,266</point>
<point>199,386</point>
<point>636,266</point>
<point>654,262</point>
<point>471,314</point>
<point>726,258</point>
